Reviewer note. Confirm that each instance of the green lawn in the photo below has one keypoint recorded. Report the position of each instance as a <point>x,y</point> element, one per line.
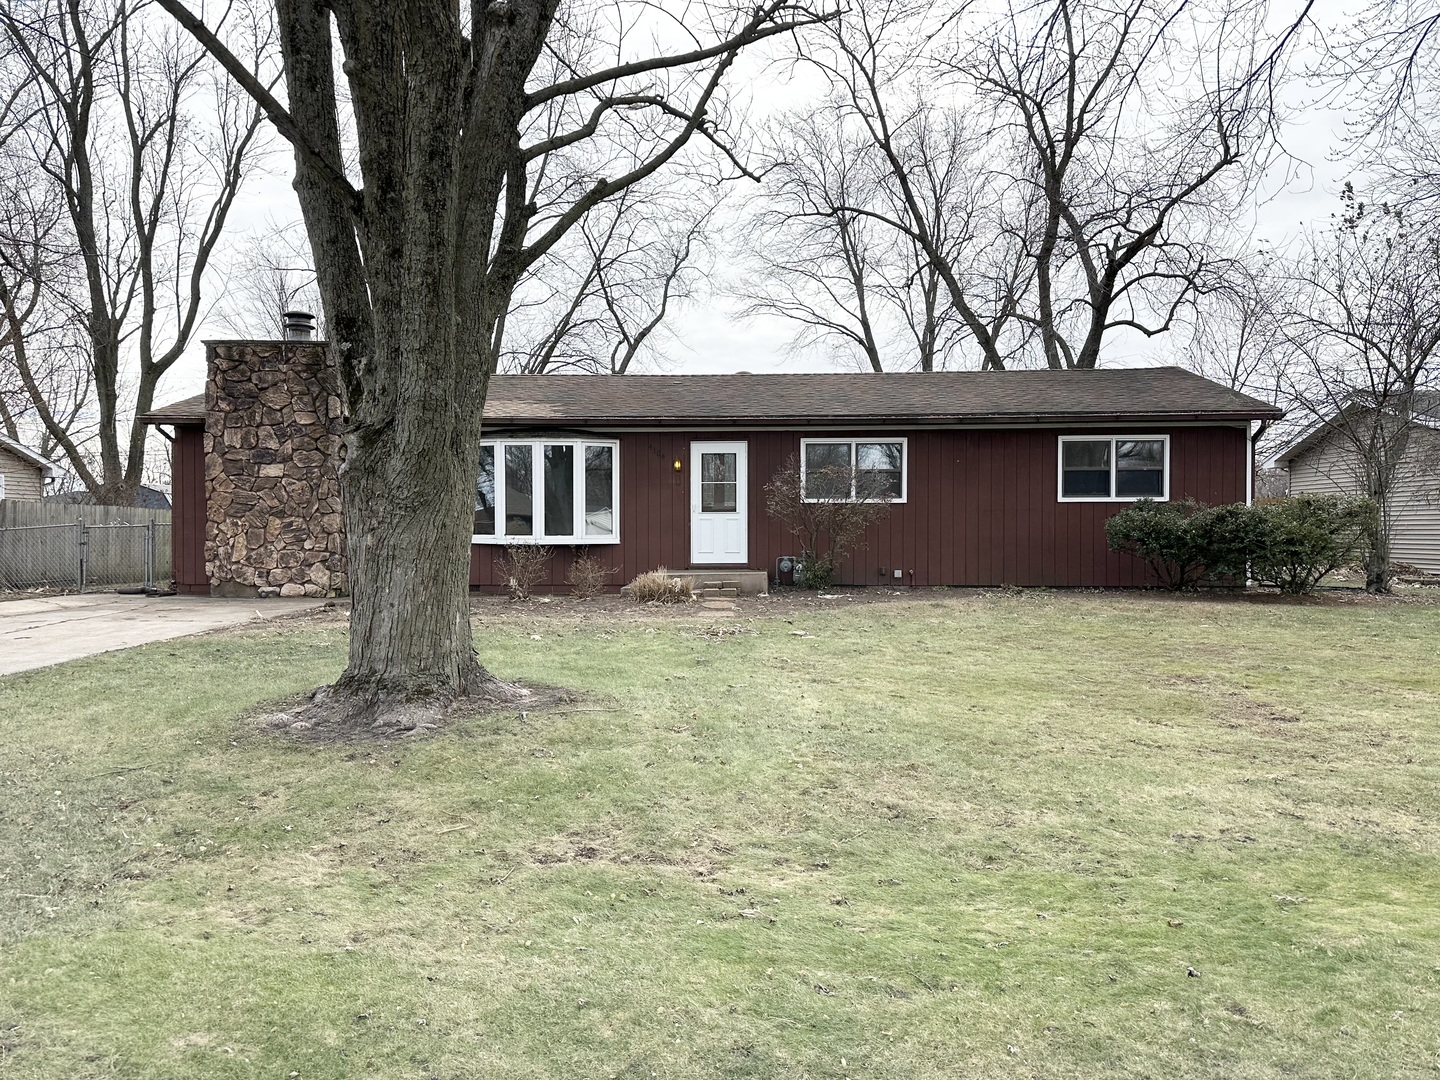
<point>954,836</point>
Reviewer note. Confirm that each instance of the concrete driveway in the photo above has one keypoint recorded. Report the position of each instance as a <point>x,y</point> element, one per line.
<point>37,633</point>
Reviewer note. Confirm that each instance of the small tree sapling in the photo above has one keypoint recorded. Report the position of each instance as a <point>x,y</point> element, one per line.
<point>828,528</point>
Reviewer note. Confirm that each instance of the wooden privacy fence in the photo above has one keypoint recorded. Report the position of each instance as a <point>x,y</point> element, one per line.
<point>15,513</point>
<point>74,548</point>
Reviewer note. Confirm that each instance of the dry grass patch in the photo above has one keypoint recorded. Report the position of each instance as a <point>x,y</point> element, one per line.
<point>658,587</point>
<point>978,835</point>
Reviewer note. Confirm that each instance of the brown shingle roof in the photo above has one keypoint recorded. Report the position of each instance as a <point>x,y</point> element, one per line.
<point>1167,393</point>
<point>1044,397</point>
<point>190,410</point>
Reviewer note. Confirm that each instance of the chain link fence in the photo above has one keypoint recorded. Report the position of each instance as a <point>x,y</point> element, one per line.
<point>76,557</point>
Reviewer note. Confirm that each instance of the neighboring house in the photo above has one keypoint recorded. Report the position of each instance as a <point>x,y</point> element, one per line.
<point>146,498</point>
<point>997,478</point>
<point>1321,459</point>
<point>23,472</point>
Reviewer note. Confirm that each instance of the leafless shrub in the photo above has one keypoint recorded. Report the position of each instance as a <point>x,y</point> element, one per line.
<point>828,528</point>
<point>523,566</point>
<point>657,587</point>
<point>588,576</point>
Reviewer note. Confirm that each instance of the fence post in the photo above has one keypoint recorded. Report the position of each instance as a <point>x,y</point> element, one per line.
<point>150,554</point>
<point>82,539</point>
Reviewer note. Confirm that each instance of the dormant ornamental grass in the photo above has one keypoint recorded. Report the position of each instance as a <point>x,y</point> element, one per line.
<point>948,836</point>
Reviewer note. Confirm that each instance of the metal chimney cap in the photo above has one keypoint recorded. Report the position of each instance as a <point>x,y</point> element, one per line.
<point>299,326</point>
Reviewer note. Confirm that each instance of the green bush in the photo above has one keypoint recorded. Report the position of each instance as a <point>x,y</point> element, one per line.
<point>1164,534</point>
<point>1289,543</point>
<point>1230,535</point>
<point>814,571</point>
<point>1305,537</point>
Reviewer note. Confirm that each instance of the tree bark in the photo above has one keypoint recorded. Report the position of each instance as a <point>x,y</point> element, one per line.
<point>407,521</point>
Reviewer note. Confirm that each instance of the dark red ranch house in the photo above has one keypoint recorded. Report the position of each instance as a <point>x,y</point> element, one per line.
<point>996,478</point>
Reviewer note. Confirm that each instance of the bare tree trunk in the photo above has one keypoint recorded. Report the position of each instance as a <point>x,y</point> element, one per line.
<point>417,265</point>
<point>407,520</point>
<point>1378,572</point>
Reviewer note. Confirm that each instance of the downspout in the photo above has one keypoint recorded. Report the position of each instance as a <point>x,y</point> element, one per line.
<point>1255,438</point>
<point>1250,484</point>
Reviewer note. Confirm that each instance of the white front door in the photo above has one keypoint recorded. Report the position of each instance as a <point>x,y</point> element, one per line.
<point>719,504</point>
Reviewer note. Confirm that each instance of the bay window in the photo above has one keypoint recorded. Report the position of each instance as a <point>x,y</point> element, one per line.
<point>843,470</point>
<point>1114,468</point>
<point>547,491</point>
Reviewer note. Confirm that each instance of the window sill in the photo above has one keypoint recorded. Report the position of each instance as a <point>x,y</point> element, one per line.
<point>1113,499</point>
<point>542,541</point>
<point>883,502</point>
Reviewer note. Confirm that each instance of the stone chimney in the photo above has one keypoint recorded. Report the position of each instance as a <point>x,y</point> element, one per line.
<point>272,449</point>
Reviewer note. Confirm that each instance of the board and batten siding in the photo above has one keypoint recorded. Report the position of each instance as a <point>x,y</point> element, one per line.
<point>23,479</point>
<point>982,507</point>
<point>1328,468</point>
<point>187,534</point>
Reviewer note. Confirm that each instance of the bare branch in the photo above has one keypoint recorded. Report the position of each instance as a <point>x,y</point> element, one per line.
<point>275,112</point>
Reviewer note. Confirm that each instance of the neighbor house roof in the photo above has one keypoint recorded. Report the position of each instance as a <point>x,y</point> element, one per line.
<point>146,498</point>
<point>20,450</point>
<point>1021,397</point>
<point>1425,411</point>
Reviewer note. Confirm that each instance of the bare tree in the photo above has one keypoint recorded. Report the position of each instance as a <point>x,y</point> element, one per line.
<point>813,258</point>
<point>930,327</point>
<point>144,146</point>
<point>600,299</point>
<point>42,371</point>
<point>853,284</point>
<point>272,273</point>
<point>883,260</point>
<point>1126,190</point>
<point>419,251</point>
<point>41,355</point>
<point>1386,59</point>
<point>1064,167</point>
<point>1363,317</point>
<point>1237,331</point>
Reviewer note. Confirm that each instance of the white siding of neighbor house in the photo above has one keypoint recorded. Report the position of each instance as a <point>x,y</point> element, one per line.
<point>23,479</point>
<point>1326,469</point>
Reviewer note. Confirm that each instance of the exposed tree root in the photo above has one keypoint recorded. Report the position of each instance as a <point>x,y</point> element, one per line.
<point>347,712</point>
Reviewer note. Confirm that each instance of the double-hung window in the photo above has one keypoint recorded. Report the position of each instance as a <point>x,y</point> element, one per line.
<point>846,470</point>
<point>1114,468</point>
<point>548,491</point>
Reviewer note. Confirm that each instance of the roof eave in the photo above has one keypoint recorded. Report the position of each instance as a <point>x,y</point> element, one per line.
<point>160,420</point>
<point>909,420</point>
<point>48,468</point>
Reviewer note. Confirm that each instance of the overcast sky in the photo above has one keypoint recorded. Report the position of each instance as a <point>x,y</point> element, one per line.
<point>709,338</point>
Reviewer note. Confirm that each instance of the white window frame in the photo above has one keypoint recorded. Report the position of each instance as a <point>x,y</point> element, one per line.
<point>537,499</point>
<point>1114,466</point>
<point>852,443</point>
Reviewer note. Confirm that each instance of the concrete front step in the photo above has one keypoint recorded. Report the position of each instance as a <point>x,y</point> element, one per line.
<point>725,583</point>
